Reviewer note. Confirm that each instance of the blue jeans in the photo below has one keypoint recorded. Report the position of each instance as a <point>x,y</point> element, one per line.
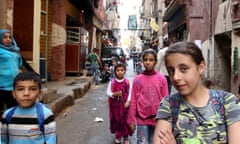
<point>138,69</point>
<point>145,134</point>
<point>94,72</point>
<point>134,63</point>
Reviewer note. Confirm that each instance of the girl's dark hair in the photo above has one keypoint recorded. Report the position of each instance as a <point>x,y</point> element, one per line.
<point>28,75</point>
<point>186,48</point>
<point>149,51</point>
<point>119,64</point>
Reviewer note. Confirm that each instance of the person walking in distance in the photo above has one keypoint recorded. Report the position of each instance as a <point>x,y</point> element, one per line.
<point>11,62</point>
<point>149,87</point>
<point>30,122</point>
<point>195,114</point>
<point>95,64</point>
<point>134,57</point>
<point>119,98</point>
<point>139,66</point>
<point>160,66</point>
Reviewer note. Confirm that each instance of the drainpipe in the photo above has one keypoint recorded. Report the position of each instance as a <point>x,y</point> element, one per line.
<point>210,38</point>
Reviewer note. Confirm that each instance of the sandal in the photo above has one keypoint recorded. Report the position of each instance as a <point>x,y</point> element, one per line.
<point>117,141</point>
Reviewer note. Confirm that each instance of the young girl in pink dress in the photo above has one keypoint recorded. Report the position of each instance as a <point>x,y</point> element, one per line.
<point>119,99</point>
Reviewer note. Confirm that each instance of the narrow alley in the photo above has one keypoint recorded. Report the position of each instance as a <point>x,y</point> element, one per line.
<point>87,121</point>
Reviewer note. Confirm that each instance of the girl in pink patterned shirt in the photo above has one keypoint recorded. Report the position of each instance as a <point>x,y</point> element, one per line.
<point>148,89</point>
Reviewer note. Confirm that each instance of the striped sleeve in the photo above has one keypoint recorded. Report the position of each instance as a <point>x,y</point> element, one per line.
<point>50,126</point>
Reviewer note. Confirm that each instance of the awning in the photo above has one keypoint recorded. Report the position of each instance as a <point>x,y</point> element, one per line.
<point>176,20</point>
<point>171,10</point>
<point>98,23</point>
<point>154,25</point>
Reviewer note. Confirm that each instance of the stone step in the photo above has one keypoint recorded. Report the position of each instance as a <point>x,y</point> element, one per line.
<point>48,95</point>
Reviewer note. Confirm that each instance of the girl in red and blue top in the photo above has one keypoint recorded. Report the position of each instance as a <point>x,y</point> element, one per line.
<point>148,89</point>
<point>119,100</point>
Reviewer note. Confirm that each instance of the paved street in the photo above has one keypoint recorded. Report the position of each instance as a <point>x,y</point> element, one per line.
<point>77,125</point>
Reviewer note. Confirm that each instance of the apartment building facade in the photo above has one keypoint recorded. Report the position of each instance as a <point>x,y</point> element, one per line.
<point>41,30</point>
<point>214,25</point>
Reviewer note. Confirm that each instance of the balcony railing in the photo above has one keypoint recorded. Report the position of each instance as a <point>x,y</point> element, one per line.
<point>236,15</point>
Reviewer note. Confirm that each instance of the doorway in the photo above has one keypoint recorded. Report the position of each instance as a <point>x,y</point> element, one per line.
<point>222,60</point>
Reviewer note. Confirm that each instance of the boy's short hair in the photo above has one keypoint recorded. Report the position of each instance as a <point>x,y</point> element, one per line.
<point>28,75</point>
<point>94,50</point>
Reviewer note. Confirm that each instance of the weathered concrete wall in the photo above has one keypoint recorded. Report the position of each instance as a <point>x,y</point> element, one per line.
<point>198,28</point>
<point>6,14</point>
<point>236,43</point>
<point>57,70</point>
<point>222,46</point>
<point>219,51</point>
<point>235,79</point>
<point>224,20</point>
<point>197,20</point>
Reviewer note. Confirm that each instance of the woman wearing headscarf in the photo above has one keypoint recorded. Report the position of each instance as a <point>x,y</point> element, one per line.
<point>10,64</point>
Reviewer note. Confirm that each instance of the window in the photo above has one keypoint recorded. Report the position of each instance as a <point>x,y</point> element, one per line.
<point>73,34</point>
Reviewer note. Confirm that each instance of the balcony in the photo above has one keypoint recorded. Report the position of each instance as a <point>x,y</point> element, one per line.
<point>236,15</point>
<point>85,5</point>
<point>167,2</point>
<point>236,24</point>
<point>171,9</point>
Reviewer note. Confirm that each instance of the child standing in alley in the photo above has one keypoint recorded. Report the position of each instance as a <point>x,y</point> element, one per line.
<point>29,122</point>
<point>114,62</point>
<point>148,89</point>
<point>196,114</point>
<point>119,99</point>
<point>139,66</point>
